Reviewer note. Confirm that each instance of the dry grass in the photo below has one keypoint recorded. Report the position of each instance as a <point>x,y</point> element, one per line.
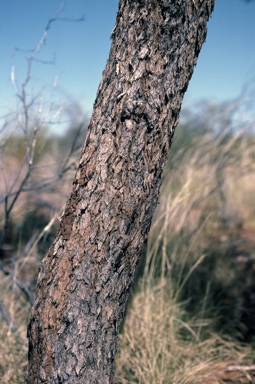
<point>161,344</point>
<point>175,328</point>
<point>172,331</point>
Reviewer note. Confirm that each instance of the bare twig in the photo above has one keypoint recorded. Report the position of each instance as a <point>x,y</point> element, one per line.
<point>19,186</point>
<point>7,316</point>
<point>9,320</point>
<point>29,295</point>
<point>235,368</point>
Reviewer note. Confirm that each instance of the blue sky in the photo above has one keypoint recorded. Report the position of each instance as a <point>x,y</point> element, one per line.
<point>80,50</point>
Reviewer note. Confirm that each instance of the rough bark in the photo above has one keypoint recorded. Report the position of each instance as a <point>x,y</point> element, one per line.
<point>85,278</point>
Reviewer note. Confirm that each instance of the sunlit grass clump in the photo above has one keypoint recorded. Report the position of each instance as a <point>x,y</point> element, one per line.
<point>193,304</point>
<point>161,343</point>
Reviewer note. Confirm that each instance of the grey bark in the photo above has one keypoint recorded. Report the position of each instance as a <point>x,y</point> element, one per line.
<point>85,278</point>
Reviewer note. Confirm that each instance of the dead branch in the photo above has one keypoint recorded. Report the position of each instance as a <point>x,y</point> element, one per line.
<point>235,368</point>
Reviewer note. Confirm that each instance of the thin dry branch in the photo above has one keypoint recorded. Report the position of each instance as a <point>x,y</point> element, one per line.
<point>9,320</point>
<point>236,368</point>
<point>20,183</point>
<point>29,295</point>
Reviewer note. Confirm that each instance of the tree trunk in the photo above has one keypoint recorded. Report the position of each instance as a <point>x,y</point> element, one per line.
<point>84,280</point>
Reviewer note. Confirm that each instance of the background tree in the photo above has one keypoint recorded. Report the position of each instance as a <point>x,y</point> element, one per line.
<point>26,152</point>
<point>85,278</point>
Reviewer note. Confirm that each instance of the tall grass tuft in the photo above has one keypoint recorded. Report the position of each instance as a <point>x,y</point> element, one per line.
<point>186,320</point>
<point>162,344</point>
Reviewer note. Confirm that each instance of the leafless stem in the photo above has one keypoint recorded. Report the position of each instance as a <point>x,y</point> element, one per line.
<point>28,294</point>
<point>17,186</point>
<point>235,368</point>
<point>7,317</point>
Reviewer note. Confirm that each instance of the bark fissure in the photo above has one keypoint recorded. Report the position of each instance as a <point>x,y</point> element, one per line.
<point>84,280</point>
